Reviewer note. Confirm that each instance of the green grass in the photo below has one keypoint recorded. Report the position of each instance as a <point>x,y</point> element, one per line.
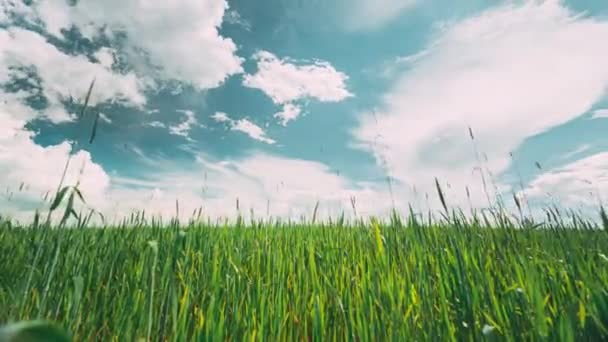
<point>274,281</point>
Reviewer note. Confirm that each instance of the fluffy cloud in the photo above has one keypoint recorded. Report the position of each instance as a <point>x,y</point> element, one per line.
<point>180,39</point>
<point>252,130</point>
<point>286,82</point>
<point>221,117</point>
<point>62,75</point>
<point>244,125</point>
<point>11,8</point>
<point>580,183</point>
<point>58,76</point>
<point>509,73</point>
<point>290,112</point>
<point>106,57</point>
<point>21,160</point>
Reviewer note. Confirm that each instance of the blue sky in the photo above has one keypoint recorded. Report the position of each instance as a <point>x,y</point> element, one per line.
<point>283,103</point>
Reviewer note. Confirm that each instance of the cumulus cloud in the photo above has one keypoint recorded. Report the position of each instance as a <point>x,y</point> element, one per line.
<point>11,8</point>
<point>179,38</point>
<point>509,73</point>
<point>21,160</point>
<point>581,183</point>
<point>290,112</point>
<point>39,168</point>
<point>244,125</point>
<point>106,57</point>
<point>221,117</point>
<point>252,130</point>
<point>61,75</point>
<point>286,81</point>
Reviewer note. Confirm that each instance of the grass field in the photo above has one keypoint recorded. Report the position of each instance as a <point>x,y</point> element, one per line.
<point>272,281</point>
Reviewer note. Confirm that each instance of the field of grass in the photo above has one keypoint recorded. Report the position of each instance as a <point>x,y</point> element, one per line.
<point>272,281</point>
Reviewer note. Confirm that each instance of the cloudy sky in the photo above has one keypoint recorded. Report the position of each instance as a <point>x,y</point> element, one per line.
<point>283,103</point>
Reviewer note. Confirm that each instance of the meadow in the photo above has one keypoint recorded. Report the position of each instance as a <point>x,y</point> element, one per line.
<point>453,279</point>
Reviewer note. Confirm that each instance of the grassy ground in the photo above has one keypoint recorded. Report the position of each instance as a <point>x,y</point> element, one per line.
<point>276,282</point>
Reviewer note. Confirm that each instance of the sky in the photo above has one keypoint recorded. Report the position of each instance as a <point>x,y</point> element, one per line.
<point>270,107</point>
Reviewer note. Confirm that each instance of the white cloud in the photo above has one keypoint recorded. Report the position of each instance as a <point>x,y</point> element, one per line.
<point>14,111</point>
<point>290,112</point>
<point>252,130</point>
<point>11,8</point>
<point>285,82</point>
<point>221,117</point>
<point>244,125</point>
<point>580,183</point>
<point>600,114</point>
<point>62,75</point>
<point>105,56</point>
<point>510,73</point>
<point>180,38</point>
<point>21,160</point>
<point>183,128</point>
<point>54,14</point>
<point>59,77</point>
<point>365,15</point>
